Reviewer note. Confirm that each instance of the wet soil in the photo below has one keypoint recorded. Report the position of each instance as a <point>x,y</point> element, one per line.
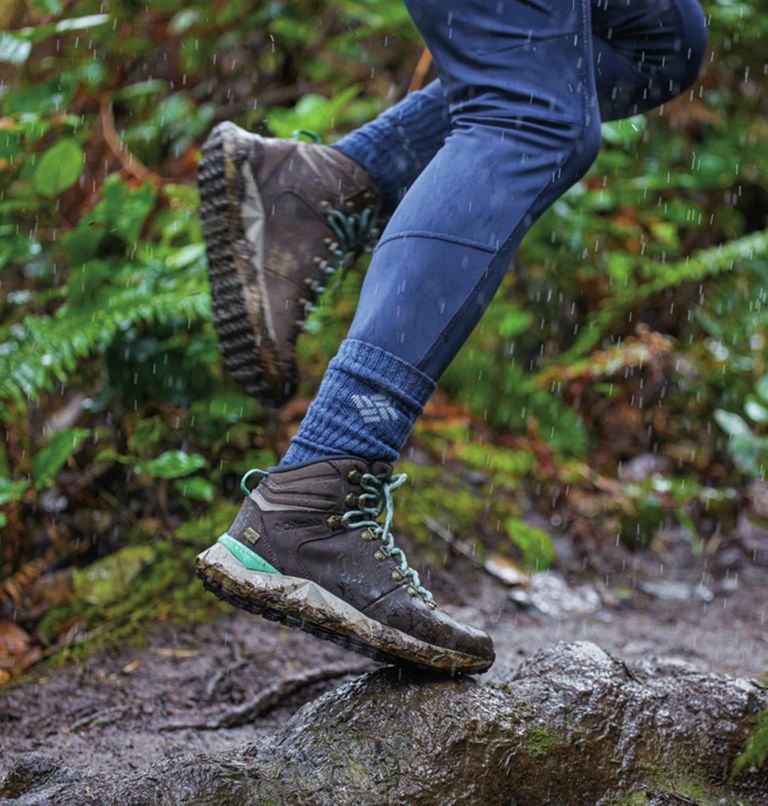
<point>121,708</point>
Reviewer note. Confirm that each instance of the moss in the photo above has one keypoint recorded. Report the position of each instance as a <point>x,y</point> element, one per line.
<point>164,590</point>
<point>439,495</point>
<point>635,799</point>
<point>541,741</point>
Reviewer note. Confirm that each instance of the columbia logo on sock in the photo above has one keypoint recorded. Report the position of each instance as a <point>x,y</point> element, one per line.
<point>374,408</point>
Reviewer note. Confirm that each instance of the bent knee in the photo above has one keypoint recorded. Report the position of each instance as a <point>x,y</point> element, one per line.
<point>586,142</point>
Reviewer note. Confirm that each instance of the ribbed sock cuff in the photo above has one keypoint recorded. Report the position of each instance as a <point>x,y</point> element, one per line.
<point>366,406</point>
<point>396,146</point>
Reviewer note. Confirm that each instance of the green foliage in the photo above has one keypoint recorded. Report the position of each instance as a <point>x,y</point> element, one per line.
<point>59,167</point>
<point>756,752</point>
<point>172,465</point>
<point>535,544</point>
<point>313,113</point>
<point>748,448</point>
<point>110,578</point>
<point>50,459</point>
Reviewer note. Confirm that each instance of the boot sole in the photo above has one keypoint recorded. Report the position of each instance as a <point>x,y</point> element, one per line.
<point>304,604</point>
<point>248,351</point>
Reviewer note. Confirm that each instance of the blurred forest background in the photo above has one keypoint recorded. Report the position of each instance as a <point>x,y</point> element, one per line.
<point>617,384</point>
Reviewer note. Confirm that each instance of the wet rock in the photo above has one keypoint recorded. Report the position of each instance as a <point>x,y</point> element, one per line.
<point>672,591</point>
<point>551,595</point>
<point>572,726</point>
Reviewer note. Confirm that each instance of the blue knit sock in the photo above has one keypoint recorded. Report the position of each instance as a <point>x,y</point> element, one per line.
<point>365,407</point>
<point>396,146</point>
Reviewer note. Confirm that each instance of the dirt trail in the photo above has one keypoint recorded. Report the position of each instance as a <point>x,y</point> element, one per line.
<point>113,711</point>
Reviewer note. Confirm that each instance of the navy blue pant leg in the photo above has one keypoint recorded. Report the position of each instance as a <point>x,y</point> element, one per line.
<point>515,122</point>
<point>518,78</point>
<point>645,52</point>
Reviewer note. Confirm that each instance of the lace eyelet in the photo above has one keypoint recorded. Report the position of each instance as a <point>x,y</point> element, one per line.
<point>397,575</point>
<point>353,477</point>
<point>350,500</point>
<point>379,555</point>
<point>333,521</point>
<point>366,535</point>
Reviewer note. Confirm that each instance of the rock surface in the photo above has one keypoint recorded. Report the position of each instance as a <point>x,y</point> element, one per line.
<point>572,726</point>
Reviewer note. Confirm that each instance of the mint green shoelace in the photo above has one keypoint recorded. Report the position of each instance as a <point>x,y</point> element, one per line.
<point>355,232</point>
<point>377,499</point>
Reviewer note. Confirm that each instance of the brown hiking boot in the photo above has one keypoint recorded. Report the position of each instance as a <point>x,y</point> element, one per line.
<point>279,217</point>
<point>307,549</point>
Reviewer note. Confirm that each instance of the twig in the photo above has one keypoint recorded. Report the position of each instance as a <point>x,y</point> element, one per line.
<point>131,163</point>
<point>420,73</point>
<point>269,698</point>
<point>214,682</point>
<point>98,716</point>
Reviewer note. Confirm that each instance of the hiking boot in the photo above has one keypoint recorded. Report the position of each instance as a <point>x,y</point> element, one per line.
<point>308,549</point>
<point>279,217</point>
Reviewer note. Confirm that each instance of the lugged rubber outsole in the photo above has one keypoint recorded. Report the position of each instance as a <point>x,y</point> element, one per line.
<point>304,604</point>
<point>247,350</point>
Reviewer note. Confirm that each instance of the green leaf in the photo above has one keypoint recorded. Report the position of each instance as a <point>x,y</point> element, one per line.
<point>79,23</point>
<point>514,323</point>
<point>313,113</point>
<point>762,388</point>
<point>756,412</point>
<point>183,20</point>
<point>52,457</point>
<point>109,579</point>
<point>185,256</point>
<point>624,132</point>
<point>12,490</point>
<point>14,49</point>
<point>10,144</point>
<point>535,544</point>
<point>756,751</point>
<point>731,423</point>
<point>750,453</point>
<point>59,168</point>
<point>172,465</point>
<point>196,487</point>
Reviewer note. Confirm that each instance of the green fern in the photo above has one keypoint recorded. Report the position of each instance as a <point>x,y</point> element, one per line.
<point>45,350</point>
<point>704,263</point>
<point>756,752</point>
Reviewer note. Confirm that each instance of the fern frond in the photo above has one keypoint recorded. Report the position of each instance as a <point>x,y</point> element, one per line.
<point>52,347</point>
<point>704,263</point>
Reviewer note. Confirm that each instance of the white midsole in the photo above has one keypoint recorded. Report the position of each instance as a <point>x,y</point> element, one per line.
<point>307,600</point>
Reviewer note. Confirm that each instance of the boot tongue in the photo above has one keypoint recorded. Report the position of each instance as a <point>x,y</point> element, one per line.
<point>381,470</point>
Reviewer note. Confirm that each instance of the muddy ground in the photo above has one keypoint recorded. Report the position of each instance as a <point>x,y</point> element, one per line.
<point>122,708</point>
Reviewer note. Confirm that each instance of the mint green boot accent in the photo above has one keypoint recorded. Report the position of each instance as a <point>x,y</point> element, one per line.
<point>250,559</point>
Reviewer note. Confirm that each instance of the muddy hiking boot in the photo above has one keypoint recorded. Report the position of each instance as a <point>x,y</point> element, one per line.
<point>279,218</point>
<point>312,547</point>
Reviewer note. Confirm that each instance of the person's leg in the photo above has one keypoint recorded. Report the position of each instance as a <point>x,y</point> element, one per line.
<point>521,92</point>
<point>645,52</point>
<point>396,146</point>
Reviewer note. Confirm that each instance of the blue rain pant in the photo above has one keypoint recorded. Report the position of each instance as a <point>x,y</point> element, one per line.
<point>512,123</point>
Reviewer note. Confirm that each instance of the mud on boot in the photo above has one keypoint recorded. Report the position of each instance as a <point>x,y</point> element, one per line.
<point>312,547</point>
<point>279,217</point>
